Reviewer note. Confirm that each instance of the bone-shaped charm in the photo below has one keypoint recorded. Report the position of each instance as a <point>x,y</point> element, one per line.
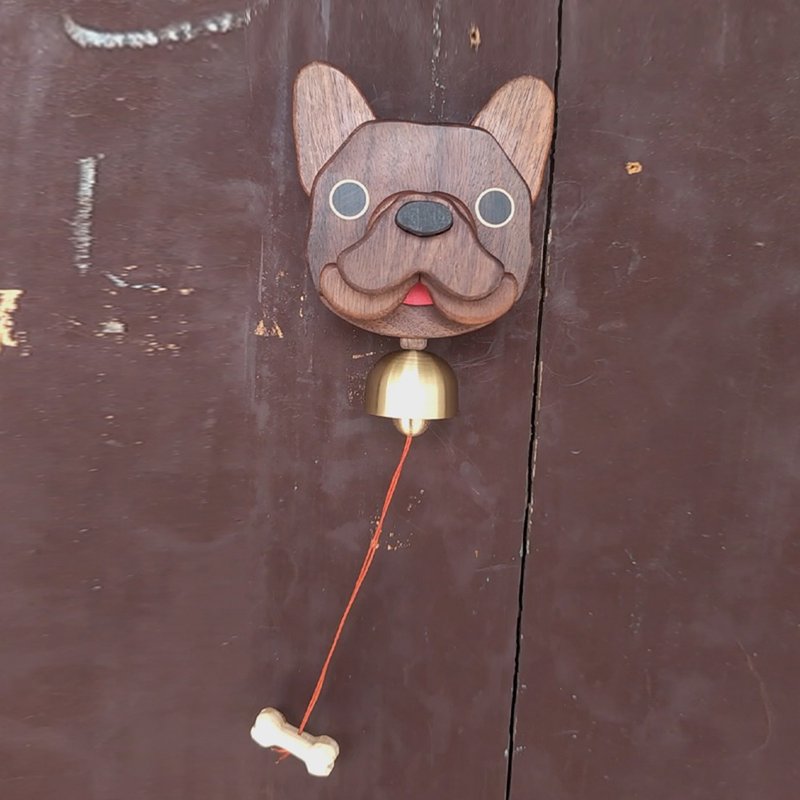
<point>318,753</point>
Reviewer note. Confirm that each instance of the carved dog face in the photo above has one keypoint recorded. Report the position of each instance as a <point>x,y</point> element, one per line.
<point>419,231</point>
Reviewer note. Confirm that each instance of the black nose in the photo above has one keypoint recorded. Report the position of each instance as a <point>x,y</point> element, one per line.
<point>424,217</point>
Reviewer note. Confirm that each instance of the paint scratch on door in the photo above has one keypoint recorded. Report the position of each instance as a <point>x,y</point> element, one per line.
<point>84,208</point>
<point>436,84</point>
<point>9,302</point>
<point>177,32</point>
<point>155,288</point>
<point>262,330</point>
<point>325,13</point>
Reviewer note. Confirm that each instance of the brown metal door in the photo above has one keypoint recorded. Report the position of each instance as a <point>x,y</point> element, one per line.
<point>189,482</point>
<point>660,653</point>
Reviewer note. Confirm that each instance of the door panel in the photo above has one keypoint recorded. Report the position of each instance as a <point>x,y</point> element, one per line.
<point>190,480</point>
<point>659,656</point>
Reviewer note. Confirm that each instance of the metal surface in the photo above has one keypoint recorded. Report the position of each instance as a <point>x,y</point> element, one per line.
<point>411,385</point>
<point>410,426</point>
<point>660,657</point>
<point>189,478</point>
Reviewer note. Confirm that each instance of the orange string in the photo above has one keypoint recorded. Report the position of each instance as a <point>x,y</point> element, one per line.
<point>368,559</point>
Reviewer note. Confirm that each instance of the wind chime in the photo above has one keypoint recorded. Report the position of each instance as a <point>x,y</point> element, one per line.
<point>417,232</point>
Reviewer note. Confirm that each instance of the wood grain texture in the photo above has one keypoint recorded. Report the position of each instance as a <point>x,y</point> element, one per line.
<point>365,260</point>
<point>346,301</point>
<point>373,276</point>
<point>369,266</point>
<point>520,117</point>
<point>328,107</point>
<point>454,260</point>
<point>477,313</point>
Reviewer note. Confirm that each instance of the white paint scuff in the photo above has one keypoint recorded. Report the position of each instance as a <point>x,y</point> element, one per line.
<point>121,283</point>
<point>113,326</point>
<point>436,84</point>
<point>9,302</point>
<point>84,208</point>
<point>91,38</point>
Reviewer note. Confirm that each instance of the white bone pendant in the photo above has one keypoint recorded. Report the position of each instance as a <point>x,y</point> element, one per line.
<point>318,753</point>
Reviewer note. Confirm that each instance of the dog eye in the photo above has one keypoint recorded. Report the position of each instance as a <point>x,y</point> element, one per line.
<point>349,199</point>
<point>494,207</point>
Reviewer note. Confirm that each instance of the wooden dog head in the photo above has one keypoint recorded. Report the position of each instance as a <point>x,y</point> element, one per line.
<point>419,231</point>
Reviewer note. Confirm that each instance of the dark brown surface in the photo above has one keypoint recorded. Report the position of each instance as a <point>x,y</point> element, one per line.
<point>326,108</point>
<point>419,696</point>
<point>519,115</point>
<point>364,266</point>
<point>424,217</point>
<point>185,502</point>
<point>372,276</point>
<point>661,649</point>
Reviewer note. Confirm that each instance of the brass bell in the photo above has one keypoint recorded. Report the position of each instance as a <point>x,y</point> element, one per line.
<point>411,387</point>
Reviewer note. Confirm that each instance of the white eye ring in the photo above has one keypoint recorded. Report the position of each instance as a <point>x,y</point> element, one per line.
<point>478,208</point>
<point>366,199</point>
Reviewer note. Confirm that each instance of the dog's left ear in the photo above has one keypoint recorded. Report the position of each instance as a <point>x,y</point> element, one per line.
<point>328,107</point>
<point>520,116</point>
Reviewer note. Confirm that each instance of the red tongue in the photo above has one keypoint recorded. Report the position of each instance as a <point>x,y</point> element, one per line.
<point>418,296</point>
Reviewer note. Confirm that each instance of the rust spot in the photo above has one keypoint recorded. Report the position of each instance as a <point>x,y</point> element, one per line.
<point>474,36</point>
<point>273,330</point>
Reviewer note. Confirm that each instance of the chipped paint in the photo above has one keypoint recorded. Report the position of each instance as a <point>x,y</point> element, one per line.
<point>274,330</point>
<point>415,499</point>
<point>394,542</point>
<point>325,14</point>
<point>633,167</point>
<point>177,32</point>
<point>112,326</point>
<point>121,283</point>
<point>117,281</point>
<point>84,208</point>
<point>9,303</point>
<point>474,37</point>
<point>152,346</point>
<point>436,84</point>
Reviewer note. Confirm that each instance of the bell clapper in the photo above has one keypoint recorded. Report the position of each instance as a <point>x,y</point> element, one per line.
<point>411,427</point>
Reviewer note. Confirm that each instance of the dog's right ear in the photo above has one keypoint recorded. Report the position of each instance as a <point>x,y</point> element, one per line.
<point>520,116</point>
<point>328,107</point>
